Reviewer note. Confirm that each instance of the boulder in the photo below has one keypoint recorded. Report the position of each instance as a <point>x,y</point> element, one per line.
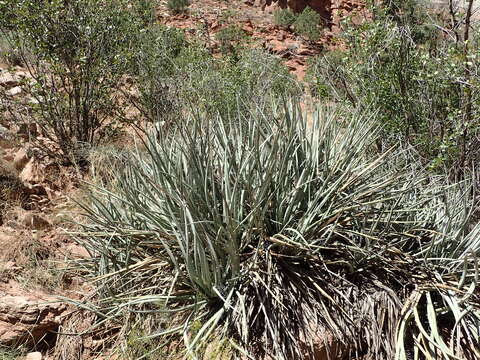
<point>14,91</point>
<point>4,133</point>
<point>329,10</point>
<point>297,6</point>
<point>34,356</point>
<point>26,319</point>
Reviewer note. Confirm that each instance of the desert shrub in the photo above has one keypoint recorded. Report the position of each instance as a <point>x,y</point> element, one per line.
<point>145,10</point>
<point>227,16</point>
<point>176,75</point>
<point>80,50</point>
<point>178,6</point>
<point>237,83</point>
<point>105,162</point>
<point>244,81</point>
<point>424,84</point>
<point>284,17</point>
<point>230,38</point>
<point>260,231</point>
<point>308,24</point>
<point>155,64</point>
<point>7,353</point>
<point>9,54</point>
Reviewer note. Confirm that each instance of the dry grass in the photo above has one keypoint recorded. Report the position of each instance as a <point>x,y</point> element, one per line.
<point>28,259</point>
<point>12,190</point>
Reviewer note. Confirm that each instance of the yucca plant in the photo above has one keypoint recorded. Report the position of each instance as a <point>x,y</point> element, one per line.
<point>265,233</point>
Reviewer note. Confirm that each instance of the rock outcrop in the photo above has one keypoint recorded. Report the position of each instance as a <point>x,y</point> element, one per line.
<point>331,11</point>
<point>323,7</point>
<point>27,319</point>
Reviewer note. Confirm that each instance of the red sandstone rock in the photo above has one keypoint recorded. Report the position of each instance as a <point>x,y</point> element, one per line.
<point>27,319</point>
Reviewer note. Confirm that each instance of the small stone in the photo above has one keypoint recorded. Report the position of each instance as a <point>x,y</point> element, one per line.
<point>23,74</point>
<point>33,101</point>
<point>7,79</point>
<point>11,267</point>
<point>4,133</point>
<point>34,356</point>
<point>14,91</point>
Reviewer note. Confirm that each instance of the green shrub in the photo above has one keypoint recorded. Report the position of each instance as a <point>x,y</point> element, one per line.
<point>307,24</point>
<point>79,52</point>
<point>230,38</point>
<point>284,17</point>
<point>238,84</point>
<point>7,353</point>
<point>260,231</point>
<point>145,10</point>
<point>9,54</point>
<point>174,74</point>
<point>155,65</point>
<point>417,80</point>
<point>227,16</point>
<point>178,6</point>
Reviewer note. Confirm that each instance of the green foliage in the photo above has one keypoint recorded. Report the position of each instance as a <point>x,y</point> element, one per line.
<point>227,16</point>
<point>138,345</point>
<point>307,24</point>
<point>7,353</point>
<point>9,54</point>
<point>415,77</point>
<point>256,228</point>
<point>156,62</point>
<point>79,51</point>
<point>284,17</point>
<point>174,74</point>
<point>230,38</point>
<point>240,83</point>
<point>178,6</point>
<point>145,10</point>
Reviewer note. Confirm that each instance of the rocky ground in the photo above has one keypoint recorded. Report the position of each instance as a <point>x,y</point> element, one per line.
<point>34,205</point>
<point>206,18</point>
<point>35,251</point>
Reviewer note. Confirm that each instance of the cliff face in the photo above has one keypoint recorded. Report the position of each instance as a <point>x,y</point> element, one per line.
<point>323,7</point>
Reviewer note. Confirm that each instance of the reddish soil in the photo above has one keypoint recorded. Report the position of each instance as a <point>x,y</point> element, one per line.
<point>205,18</point>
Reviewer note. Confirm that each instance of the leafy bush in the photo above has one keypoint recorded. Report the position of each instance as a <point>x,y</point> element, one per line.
<point>155,64</point>
<point>419,81</point>
<point>79,53</point>
<point>178,6</point>
<point>260,231</point>
<point>230,38</point>
<point>145,10</point>
<point>284,17</point>
<point>307,24</point>
<point>174,74</point>
<point>241,83</point>
<point>8,53</point>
